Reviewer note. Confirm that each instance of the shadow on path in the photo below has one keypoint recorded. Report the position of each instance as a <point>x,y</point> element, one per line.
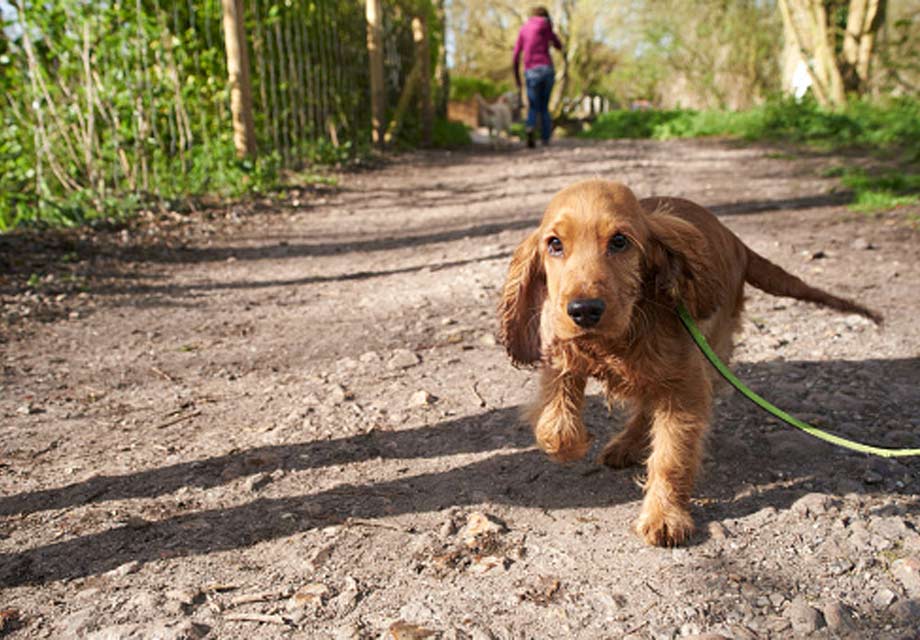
<point>514,475</point>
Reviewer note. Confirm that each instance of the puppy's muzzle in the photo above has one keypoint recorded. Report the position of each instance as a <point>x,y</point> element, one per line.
<point>586,312</point>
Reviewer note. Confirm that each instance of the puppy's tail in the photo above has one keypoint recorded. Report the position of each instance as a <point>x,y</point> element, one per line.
<point>776,281</point>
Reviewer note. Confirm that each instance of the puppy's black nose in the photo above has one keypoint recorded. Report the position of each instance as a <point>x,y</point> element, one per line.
<point>586,312</point>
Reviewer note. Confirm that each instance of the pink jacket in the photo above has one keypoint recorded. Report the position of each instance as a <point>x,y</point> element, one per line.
<point>534,41</point>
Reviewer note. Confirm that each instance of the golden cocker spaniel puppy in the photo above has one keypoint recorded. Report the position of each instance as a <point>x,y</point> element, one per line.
<point>593,291</point>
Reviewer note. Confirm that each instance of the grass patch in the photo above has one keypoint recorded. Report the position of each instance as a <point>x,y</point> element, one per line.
<point>888,123</point>
<point>447,134</point>
<point>882,192</point>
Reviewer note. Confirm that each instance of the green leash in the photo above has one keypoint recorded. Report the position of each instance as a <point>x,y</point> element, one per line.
<point>726,373</point>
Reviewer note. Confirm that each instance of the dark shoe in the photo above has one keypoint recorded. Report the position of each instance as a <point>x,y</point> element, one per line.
<point>531,143</point>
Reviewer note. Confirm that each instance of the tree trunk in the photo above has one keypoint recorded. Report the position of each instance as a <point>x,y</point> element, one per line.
<point>423,60</point>
<point>244,131</point>
<point>375,58</point>
<point>834,74</point>
<point>441,72</point>
<point>864,20</point>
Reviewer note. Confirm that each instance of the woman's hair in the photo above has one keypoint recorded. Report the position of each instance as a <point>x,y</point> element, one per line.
<point>540,11</point>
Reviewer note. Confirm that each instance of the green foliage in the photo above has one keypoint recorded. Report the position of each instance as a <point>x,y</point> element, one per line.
<point>881,192</point>
<point>108,108</point>
<point>450,135</point>
<point>465,87</point>
<point>894,122</point>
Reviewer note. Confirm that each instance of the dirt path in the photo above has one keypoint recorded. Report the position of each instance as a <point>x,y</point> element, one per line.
<point>280,426</point>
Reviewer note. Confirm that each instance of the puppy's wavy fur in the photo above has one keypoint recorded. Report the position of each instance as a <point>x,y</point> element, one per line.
<point>675,250</point>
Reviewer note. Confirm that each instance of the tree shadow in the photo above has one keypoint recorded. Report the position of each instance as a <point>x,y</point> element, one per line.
<point>742,454</point>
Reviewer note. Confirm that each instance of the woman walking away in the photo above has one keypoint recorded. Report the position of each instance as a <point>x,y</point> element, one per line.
<point>534,41</point>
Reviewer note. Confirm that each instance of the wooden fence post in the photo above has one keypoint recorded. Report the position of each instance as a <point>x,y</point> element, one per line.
<point>244,130</point>
<point>375,58</point>
<point>423,61</point>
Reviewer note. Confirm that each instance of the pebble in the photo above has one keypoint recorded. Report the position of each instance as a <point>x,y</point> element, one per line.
<point>907,571</point>
<point>805,618</point>
<point>338,394</point>
<point>256,482</point>
<point>309,594</point>
<point>403,359</point>
<point>883,598</point>
<point>401,630</point>
<point>717,531</point>
<point>814,504</point>
<point>348,597</point>
<point>124,570</point>
<point>348,632</point>
<point>421,398</point>
<point>838,617</point>
<point>479,524</point>
<point>186,597</point>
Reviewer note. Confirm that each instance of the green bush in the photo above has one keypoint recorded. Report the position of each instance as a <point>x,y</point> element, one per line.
<point>448,134</point>
<point>465,87</point>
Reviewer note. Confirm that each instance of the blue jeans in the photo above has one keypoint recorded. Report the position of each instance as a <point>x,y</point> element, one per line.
<point>539,87</point>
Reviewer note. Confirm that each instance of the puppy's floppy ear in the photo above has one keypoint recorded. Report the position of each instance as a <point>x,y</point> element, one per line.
<point>682,266</point>
<point>522,302</point>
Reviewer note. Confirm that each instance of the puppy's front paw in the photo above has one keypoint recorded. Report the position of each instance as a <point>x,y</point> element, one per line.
<point>622,451</point>
<point>664,526</point>
<point>564,439</point>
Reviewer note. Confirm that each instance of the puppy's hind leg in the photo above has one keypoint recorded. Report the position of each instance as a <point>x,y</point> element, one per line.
<point>556,415</point>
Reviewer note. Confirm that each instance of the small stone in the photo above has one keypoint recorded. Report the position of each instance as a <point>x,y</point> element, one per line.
<point>840,567</point>
<point>487,563</point>
<point>871,477</point>
<point>478,525</point>
<point>348,632</point>
<point>29,409</point>
<point>717,531</point>
<point>487,340</point>
<point>403,359</point>
<point>256,482</point>
<point>321,556</point>
<point>813,505</point>
<point>187,630</point>
<point>124,570</point>
<point>369,357</point>
<point>706,636</point>
<point>421,398</point>
<point>401,630</point>
<point>907,571</point>
<point>861,244</point>
<point>883,598</point>
<point>338,394</point>
<point>805,618</point>
<point>838,617</point>
<point>891,528</point>
<point>185,597</point>
<point>310,594</point>
<point>348,597</point>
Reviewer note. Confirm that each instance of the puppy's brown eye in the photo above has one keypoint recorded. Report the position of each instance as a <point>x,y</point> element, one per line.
<point>617,243</point>
<point>555,246</point>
